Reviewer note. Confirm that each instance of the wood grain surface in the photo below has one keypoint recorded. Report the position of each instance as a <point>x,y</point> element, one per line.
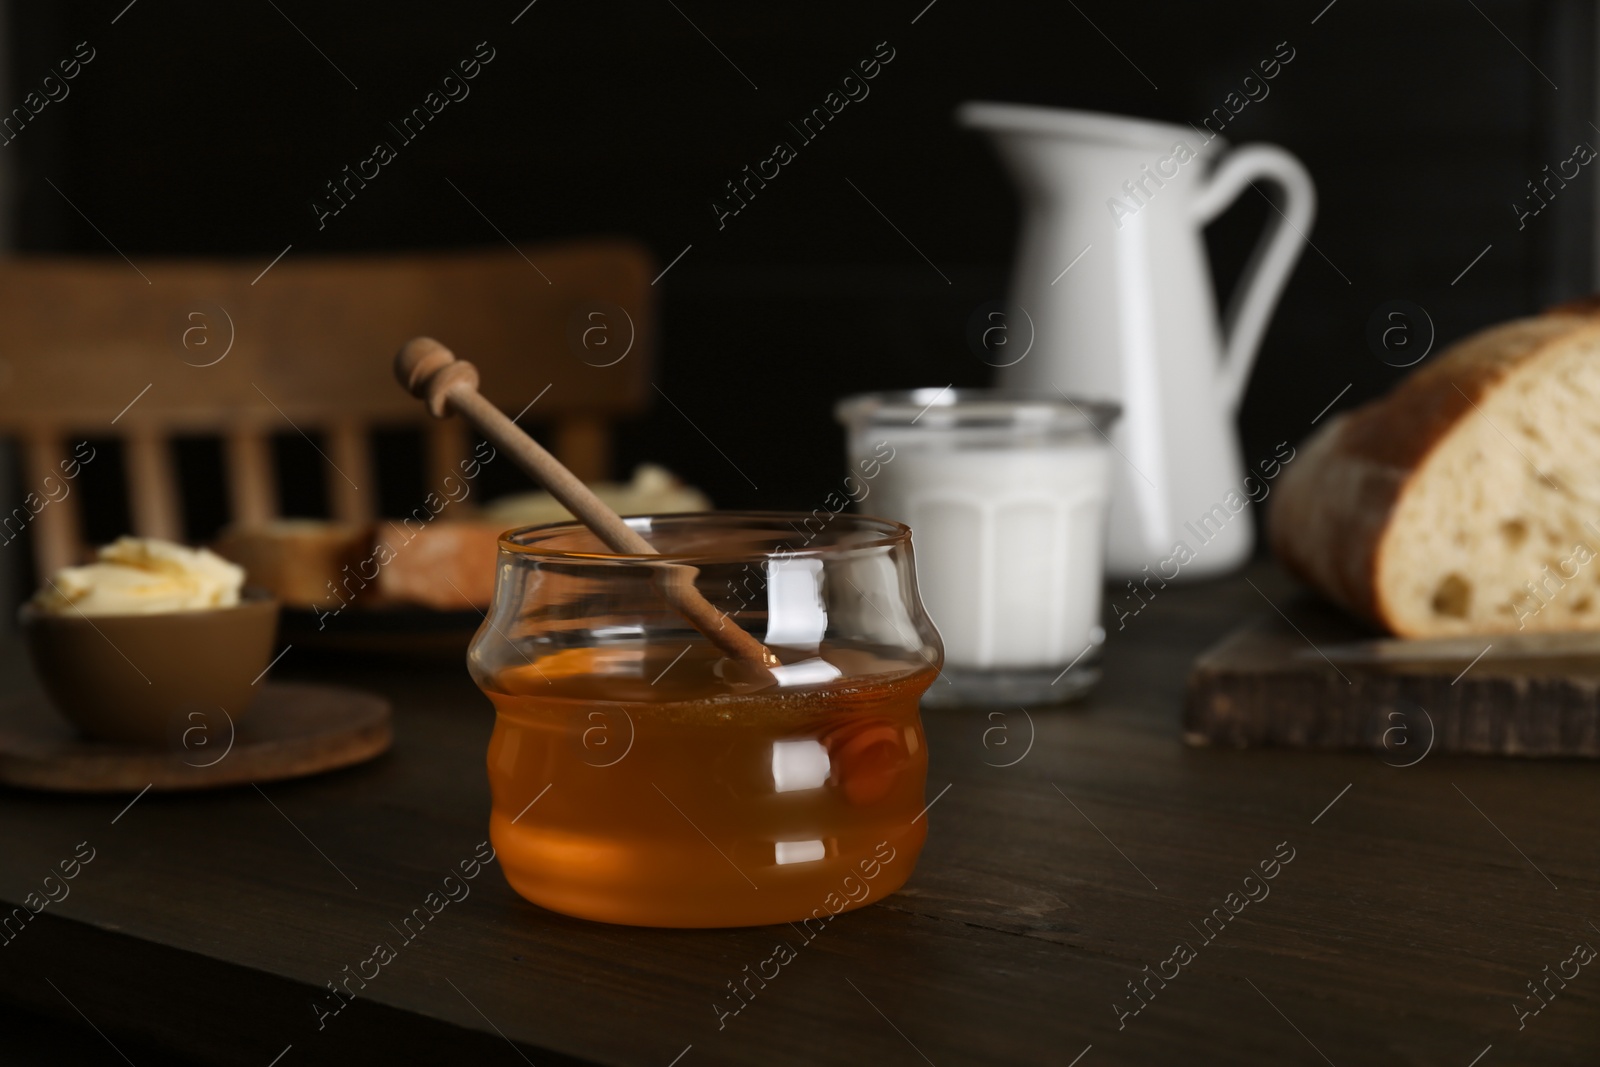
<point>1063,858</point>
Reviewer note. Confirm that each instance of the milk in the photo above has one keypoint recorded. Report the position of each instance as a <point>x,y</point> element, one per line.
<point>1009,541</point>
<point>1006,493</point>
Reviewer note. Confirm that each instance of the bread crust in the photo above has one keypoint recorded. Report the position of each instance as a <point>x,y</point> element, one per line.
<point>299,561</point>
<point>1333,507</point>
<point>447,566</point>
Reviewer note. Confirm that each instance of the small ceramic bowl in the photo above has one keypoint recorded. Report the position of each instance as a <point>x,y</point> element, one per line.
<point>140,678</point>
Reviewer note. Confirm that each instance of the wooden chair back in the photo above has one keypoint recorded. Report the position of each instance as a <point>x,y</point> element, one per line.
<point>99,348</point>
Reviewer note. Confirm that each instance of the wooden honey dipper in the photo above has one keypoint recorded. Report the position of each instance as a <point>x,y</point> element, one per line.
<point>432,373</point>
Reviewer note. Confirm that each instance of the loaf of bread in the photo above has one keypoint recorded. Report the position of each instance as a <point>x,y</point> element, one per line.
<point>448,566</point>
<point>319,565</point>
<point>1467,499</point>
<point>301,562</point>
<point>445,564</point>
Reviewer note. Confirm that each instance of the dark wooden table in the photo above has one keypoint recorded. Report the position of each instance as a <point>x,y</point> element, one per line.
<point>1418,905</point>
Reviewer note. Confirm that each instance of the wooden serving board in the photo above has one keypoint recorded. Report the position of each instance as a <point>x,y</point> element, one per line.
<point>1265,684</point>
<point>291,730</point>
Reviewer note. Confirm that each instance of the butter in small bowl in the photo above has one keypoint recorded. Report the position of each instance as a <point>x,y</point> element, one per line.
<point>143,576</point>
<point>131,647</point>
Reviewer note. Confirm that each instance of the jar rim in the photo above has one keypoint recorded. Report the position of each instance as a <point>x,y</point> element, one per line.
<point>951,407</point>
<point>888,533</point>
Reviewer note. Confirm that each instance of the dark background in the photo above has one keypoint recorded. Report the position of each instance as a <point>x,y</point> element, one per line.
<point>207,129</point>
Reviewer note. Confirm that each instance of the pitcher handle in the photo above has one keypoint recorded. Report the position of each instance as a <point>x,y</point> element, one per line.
<point>1250,307</point>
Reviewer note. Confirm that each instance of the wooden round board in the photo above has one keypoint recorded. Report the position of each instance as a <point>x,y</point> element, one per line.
<point>290,730</point>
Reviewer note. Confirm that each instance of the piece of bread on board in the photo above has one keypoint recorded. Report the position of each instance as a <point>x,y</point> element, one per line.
<point>299,561</point>
<point>316,564</point>
<point>449,566</point>
<point>1467,499</point>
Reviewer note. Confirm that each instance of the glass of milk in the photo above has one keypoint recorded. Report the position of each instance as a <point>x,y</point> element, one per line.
<point>1005,493</point>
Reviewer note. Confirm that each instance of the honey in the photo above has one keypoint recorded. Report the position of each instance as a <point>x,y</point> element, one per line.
<point>634,783</point>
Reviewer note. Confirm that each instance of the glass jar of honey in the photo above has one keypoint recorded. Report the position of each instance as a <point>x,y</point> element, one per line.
<point>640,777</point>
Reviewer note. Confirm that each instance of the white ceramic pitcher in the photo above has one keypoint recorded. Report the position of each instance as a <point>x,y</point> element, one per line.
<point>1112,287</point>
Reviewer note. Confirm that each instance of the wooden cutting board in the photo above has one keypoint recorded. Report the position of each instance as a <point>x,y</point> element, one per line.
<point>1266,684</point>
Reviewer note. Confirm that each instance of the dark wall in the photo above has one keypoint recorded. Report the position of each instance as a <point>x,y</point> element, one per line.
<point>210,129</point>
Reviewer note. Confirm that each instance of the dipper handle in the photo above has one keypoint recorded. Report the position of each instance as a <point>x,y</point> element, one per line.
<point>432,373</point>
